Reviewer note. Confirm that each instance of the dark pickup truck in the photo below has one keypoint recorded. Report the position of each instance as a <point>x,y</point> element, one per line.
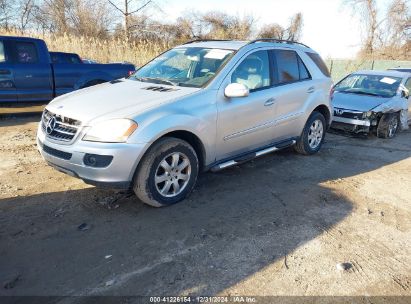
<point>27,73</point>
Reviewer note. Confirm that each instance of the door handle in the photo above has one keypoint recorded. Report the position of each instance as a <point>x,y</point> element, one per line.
<point>5,72</point>
<point>29,76</point>
<point>311,90</point>
<point>269,102</point>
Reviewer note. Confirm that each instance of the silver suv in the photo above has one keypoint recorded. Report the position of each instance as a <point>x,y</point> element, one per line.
<point>204,105</point>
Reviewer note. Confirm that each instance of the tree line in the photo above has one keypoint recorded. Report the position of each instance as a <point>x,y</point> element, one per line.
<point>134,20</point>
<point>383,31</point>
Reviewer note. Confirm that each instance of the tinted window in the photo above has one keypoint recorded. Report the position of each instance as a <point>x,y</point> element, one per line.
<point>287,66</point>
<point>2,52</point>
<point>65,58</point>
<point>304,74</point>
<point>55,58</point>
<point>320,63</point>
<point>253,71</point>
<point>74,59</point>
<point>26,52</point>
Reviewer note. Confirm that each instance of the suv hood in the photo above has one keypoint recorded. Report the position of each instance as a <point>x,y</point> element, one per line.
<point>351,101</point>
<point>118,99</point>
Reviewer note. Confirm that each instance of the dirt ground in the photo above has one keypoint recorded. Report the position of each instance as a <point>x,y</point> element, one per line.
<point>276,226</point>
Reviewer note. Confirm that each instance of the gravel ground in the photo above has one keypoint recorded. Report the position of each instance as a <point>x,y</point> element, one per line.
<point>284,224</point>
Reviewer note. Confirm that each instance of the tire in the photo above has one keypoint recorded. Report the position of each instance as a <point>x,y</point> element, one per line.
<point>310,143</point>
<point>388,125</point>
<point>179,180</point>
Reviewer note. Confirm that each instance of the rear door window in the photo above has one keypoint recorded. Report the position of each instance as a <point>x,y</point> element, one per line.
<point>287,66</point>
<point>26,52</point>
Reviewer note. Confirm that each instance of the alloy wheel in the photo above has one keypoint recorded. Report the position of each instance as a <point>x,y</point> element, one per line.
<point>315,134</point>
<point>172,174</point>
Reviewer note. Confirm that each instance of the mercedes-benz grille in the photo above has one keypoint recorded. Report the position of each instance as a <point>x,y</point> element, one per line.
<point>58,127</point>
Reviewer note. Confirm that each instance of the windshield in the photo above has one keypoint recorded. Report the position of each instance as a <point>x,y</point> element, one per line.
<point>374,85</point>
<point>190,67</point>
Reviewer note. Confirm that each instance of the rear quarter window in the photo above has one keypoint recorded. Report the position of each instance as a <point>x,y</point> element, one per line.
<point>319,63</point>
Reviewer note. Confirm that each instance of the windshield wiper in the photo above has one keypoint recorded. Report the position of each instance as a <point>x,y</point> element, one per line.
<point>156,80</point>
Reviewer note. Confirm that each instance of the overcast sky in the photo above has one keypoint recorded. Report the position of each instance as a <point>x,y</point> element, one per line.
<point>329,26</point>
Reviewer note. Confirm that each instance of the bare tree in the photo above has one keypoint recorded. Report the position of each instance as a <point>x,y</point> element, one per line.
<point>78,17</point>
<point>273,30</point>
<point>7,10</point>
<point>384,31</point>
<point>26,10</point>
<point>369,15</point>
<point>53,15</point>
<point>130,8</point>
<point>292,32</point>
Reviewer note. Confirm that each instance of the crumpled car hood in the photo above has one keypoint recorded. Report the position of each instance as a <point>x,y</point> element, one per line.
<point>357,102</point>
<point>120,99</point>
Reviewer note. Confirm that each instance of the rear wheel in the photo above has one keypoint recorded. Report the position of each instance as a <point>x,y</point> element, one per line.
<point>388,125</point>
<point>313,134</point>
<point>167,173</point>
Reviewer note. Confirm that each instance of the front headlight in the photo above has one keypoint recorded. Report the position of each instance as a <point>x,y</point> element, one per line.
<point>114,131</point>
<point>367,114</point>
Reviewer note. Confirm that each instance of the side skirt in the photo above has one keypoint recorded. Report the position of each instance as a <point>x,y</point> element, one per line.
<point>241,158</point>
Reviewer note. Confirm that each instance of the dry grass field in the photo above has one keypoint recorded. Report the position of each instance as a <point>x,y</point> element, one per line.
<point>104,51</point>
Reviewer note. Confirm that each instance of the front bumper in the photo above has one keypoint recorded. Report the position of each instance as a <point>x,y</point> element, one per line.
<point>69,159</point>
<point>358,122</point>
<point>350,124</point>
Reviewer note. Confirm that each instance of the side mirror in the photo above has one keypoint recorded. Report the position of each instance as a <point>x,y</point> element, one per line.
<point>405,94</point>
<point>236,90</point>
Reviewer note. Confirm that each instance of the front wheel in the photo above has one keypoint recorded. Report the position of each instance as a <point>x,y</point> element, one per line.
<point>388,125</point>
<point>167,173</point>
<point>313,134</point>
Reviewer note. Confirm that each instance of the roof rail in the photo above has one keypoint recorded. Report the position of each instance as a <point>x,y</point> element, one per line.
<point>202,40</point>
<point>277,41</point>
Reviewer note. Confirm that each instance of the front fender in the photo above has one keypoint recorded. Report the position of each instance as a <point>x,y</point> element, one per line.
<point>149,132</point>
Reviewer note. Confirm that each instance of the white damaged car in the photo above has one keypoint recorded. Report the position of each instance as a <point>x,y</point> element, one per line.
<point>372,101</point>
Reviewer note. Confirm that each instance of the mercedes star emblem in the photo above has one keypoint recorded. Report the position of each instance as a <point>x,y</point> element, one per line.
<point>51,124</point>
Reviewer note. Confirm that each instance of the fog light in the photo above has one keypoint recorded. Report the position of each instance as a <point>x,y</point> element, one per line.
<point>97,161</point>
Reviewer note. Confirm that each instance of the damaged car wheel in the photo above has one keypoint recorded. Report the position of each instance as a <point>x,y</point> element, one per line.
<point>388,125</point>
